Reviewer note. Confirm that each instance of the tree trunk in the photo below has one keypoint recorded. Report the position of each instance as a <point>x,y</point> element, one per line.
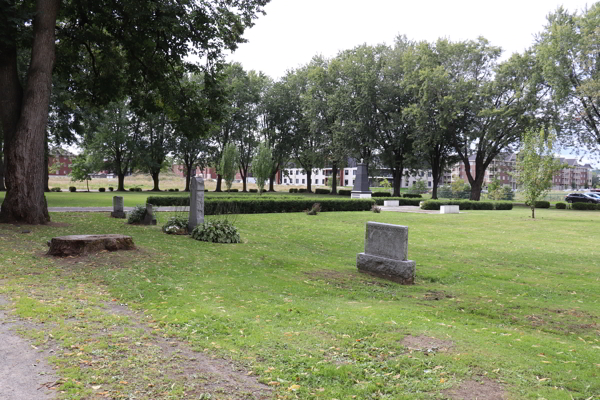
<point>435,176</point>
<point>397,181</point>
<point>155,180</point>
<point>46,174</point>
<point>219,179</point>
<point>476,189</point>
<point>244,175</point>
<point>25,131</point>
<point>121,182</point>
<point>2,187</point>
<point>272,179</point>
<point>334,177</point>
<point>188,177</point>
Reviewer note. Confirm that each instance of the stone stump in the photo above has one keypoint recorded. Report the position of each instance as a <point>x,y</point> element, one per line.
<point>77,245</point>
<point>149,217</point>
<point>196,216</point>
<point>118,207</point>
<point>386,248</point>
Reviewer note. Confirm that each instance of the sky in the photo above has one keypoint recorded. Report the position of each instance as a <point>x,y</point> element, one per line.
<point>293,31</point>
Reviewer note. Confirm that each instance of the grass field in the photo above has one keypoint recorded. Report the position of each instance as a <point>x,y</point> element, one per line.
<point>501,303</point>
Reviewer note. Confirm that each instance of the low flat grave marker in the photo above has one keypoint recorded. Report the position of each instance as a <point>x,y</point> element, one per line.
<point>77,245</point>
<point>386,248</point>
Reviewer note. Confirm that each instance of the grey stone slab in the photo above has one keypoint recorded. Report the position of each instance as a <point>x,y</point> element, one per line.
<point>391,203</point>
<point>386,240</point>
<point>449,209</point>
<point>196,216</point>
<point>118,207</point>
<point>395,270</point>
<point>149,217</point>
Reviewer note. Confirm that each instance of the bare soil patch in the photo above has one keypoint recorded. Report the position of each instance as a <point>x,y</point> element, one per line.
<point>426,343</point>
<point>473,390</point>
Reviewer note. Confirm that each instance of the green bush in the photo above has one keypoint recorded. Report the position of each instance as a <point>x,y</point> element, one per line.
<point>584,206</point>
<point>465,205</point>
<point>136,215</point>
<point>542,204</point>
<point>322,191</point>
<point>345,192</point>
<point>293,190</point>
<point>219,231</point>
<point>176,225</point>
<point>561,206</point>
<point>503,205</point>
<point>132,189</point>
<point>102,190</point>
<point>55,189</point>
<point>482,205</point>
<point>412,196</point>
<point>253,190</point>
<point>171,190</point>
<point>72,189</point>
<point>401,201</point>
<point>302,190</point>
<point>177,189</point>
<point>110,188</point>
<point>168,201</point>
<point>381,194</point>
<point>232,190</point>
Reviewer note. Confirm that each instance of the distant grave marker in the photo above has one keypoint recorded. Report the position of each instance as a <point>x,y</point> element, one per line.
<point>196,216</point>
<point>118,207</point>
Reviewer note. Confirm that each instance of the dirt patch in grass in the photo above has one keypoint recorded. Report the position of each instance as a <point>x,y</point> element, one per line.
<point>437,295</point>
<point>565,321</point>
<point>426,343</point>
<point>473,390</point>
<point>343,279</point>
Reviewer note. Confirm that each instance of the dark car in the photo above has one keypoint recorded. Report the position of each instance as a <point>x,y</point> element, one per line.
<point>581,198</point>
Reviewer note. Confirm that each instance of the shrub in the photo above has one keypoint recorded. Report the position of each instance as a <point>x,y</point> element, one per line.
<point>503,205</point>
<point>412,196</point>
<point>345,192</point>
<point>177,189</point>
<point>171,190</point>
<point>110,188</point>
<point>322,191</point>
<point>220,231</point>
<point>253,190</point>
<point>132,189</point>
<point>136,215</point>
<point>401,201</point>
<point>232,190</point>
<point>102,190</point>
<point>464,205</point>
<point>561,205</point>
<point>55,189</point>
<point>176,226</point>
<point>376,209</point>
<point>293,190</point>
<point>542,204</point>
<point>302,190</point>
<point>381,194</point>
<point>72,189</point>
<point>482,205</point>
<point>315,209</point>
<point>584,206</point>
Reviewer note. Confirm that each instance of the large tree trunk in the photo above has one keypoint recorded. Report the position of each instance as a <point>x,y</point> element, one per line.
<point>188,177</point>
<point>334,177</point>
<point>120,182</point>
<point>2,187</point>
<point>46,170</point>
<point>244,175</point>
<point>397,180</point>
<point>155,180</point>
<point>25,129</point>
<point>219,180</point>
<point>272,178</point>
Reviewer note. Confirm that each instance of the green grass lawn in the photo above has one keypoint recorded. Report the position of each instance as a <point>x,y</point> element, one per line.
<point>511,300</point>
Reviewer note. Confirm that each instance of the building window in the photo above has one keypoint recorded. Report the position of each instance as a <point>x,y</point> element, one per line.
<point>353,172</point>
<point>346,172</point>
<point>285,181</point>
<point>429,183</point>
<point>302,180</point>
<point>296,180</point>
<point>346,181</point>
<point>407,183</point>
<point>296,172</point>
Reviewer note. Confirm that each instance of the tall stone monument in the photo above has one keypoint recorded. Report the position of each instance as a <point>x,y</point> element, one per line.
<point>118,209</point>
<point>386,248</point>
<point>196,202</point>
<point>361,183</point>
<point>149,216</point>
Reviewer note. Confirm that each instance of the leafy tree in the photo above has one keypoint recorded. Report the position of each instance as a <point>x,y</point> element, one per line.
<point>536,166</point>
<point>566,51</point>
<point>261,166</point>
<point>229,164</point>
<point>106,51</point>
<point>156,141</point>
<point>82,168</point>
<point>419,187</point>
<point>193,153</point>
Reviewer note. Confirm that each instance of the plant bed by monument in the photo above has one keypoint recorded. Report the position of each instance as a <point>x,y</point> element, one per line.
<point>77,245</point>
<point>386,247</point>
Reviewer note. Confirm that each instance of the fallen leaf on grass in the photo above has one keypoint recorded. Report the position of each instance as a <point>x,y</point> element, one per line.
<point>293,388</point>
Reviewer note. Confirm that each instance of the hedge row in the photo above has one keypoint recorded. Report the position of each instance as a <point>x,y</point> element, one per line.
<point>585,206</point>
<point>388,194</point>
<point>401,201</point>
<point>266,205</point>
<point>468,204</point>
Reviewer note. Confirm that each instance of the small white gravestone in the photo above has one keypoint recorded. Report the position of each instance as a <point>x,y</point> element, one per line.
<point>386,248</point>
<point>118,208</point>
<point>391,203</point>
<point>449,209</point>
<point>196,202</point>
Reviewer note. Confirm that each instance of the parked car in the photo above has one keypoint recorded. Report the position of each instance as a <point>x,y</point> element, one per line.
<point>581,198</point>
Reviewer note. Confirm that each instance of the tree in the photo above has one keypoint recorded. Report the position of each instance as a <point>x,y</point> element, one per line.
<point>229,164</point>
<point>536,166</point>
<point>82,168</point>
<point>193,153</point>
<point>107,51</point>
<point>261,165</point>
<point>156,141</point>
<point>567,52</point>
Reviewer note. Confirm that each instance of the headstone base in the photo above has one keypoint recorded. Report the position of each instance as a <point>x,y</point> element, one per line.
<point>395,270</point>
<point>360,195</point>
<point>118,214</point>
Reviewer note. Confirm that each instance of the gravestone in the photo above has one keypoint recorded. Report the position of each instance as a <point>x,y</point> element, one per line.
<point>391,203</point>
<point>449,210</point>
<point>386,248</point>
<point>149,217</point>
<point>196,202</point>
<point>118,209</point>
<point>361,183</point>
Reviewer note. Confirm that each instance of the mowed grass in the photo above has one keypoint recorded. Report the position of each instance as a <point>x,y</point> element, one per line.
<point>515,300</point>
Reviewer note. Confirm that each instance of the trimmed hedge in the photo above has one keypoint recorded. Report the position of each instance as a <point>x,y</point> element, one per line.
<point>72,189</point>
<point>302,190</point>
<point>412,196</point>
<point>561,206</point>
<point>265,205</point>
<point>542,204</point>
<point>322,191</point>
<point>585,206</point>
<point>293,190</point>
<point>467,205</point>
<point>110,188</point>
<point>344,192</point>
<point>381,194</point>
<point>253,190</point>
<point>102,190</point>
<point>401,201</point>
